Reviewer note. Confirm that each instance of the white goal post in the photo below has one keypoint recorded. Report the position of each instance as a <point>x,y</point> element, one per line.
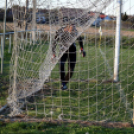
<point>101,86</point>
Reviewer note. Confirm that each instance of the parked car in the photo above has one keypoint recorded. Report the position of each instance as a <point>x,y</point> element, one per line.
<point>97,22</point>
<point>41,20</point>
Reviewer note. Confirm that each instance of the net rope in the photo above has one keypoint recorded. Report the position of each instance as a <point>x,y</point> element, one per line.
<point>47,66</point>
<point>35,83</point>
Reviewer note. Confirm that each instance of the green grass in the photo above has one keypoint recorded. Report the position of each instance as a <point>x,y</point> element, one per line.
<point>4,77</point>
<point>50,128</point>
<point>80,101</point>
<point>86,87</point>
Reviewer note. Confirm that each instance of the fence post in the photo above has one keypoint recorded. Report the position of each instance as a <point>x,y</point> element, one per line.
<point>34,22</point>
<point>0,49</point>
<point>3,38</point>
<point>26,12</point>
<point>26,36</point>
<point>10,39</point>
<point>37,33</point>
<point>22,40</point>
<point>2,53</point>
<point>30,36</point>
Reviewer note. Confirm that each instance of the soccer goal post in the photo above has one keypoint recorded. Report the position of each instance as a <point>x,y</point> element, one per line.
<point>76,44</point>
<point>117,41</point>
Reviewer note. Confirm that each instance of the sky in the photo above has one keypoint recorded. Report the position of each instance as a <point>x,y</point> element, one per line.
<point>128,5</point>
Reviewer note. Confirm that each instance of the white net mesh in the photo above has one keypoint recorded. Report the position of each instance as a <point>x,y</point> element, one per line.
<point>44,32</point>
<point>32,66</point>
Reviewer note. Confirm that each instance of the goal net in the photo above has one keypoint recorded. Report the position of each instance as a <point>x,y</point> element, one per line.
<point>44,32</point>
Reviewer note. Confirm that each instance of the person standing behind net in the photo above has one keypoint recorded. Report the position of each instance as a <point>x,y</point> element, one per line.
<point>63,35</point>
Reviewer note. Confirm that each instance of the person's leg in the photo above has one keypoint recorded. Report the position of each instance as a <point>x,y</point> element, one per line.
<point>71,63</point>
<point>62,68</point>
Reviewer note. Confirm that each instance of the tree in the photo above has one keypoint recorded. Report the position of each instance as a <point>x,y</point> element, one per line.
<point>124,17</point>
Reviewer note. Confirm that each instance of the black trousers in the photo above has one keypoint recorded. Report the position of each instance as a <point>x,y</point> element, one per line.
<point>69,55</point>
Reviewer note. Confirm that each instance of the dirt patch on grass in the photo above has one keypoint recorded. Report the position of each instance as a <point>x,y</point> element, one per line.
<point>91,30</point>
<point>25,118</point>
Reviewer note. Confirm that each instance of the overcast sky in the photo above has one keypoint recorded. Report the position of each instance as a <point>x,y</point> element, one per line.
<point>128,5</point>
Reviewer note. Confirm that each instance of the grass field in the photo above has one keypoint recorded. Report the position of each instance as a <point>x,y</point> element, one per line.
<point>90,96</point>
<point>4,77</point>
<point>49,128</point>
